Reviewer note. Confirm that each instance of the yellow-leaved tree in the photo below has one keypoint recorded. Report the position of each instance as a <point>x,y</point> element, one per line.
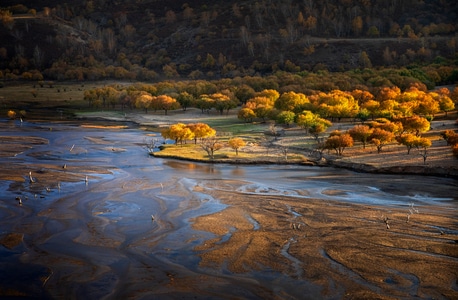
<point>236,143</point>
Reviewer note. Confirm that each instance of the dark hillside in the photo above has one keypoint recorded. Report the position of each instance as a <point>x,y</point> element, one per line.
<point>146,40</point>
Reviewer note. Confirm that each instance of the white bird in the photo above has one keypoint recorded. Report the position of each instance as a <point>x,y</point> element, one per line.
<point>86,180</point>
<point>162,187</point>
<point>72,148</point>
<point>20,202</point>
<point>31,178</point>
<point>152,217</point>
<point>48,189</point>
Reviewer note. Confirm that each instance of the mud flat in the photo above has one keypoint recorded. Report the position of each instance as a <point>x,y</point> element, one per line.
<point>143,227</point>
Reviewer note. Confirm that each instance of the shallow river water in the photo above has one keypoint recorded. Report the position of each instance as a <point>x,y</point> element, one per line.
<point>126,233</point>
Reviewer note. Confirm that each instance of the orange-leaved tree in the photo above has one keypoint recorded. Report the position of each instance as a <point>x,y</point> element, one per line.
<point>412,141</point>
<point>166,103</point>
<point>236,143</point>
<point>361,133</point>
<point>338,141</point>
<point>415,124</point>
<point>380,138</point>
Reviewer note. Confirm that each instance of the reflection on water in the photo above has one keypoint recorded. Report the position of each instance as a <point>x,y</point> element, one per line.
<point>100,240</point>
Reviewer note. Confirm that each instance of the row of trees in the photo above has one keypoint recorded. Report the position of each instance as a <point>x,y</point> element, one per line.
<point>405,131</point>
<point>308,111</point>
<point>284,107</point>
<point>202,133</point>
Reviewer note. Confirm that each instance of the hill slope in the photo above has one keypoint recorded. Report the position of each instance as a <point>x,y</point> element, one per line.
<point>145,40</point>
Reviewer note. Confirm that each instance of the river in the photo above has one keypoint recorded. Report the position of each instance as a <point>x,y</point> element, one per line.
<point>127,232</point>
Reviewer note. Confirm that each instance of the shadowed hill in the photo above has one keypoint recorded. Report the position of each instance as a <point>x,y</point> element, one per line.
<point>146,40</point>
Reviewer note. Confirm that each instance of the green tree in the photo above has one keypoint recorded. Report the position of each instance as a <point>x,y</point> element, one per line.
<point>286,117</point>
<point>244,92</point>
<point>306,119</point>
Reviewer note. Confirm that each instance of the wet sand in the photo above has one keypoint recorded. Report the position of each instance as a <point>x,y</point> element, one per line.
<point>145,228</point>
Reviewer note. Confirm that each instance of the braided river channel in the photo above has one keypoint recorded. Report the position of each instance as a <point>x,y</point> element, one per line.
<point>87,213</point>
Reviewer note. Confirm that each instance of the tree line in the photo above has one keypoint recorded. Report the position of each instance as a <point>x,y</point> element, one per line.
<point>387,114</point>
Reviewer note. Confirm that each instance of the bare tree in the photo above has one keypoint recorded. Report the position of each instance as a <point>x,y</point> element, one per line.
<point>210,145</point>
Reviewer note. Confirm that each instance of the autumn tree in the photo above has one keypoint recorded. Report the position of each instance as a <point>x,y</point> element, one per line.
<point>306,119</point>
<point>272,94</point>
<point>285,117</point>
<point>373,107</point>
<point>144,101</point>
<point>361,133</point>
<point>236,143</point>
<point>415,124</point>
<point>427,106</point>
<point>204,103</point>
<point>246,114</point>
<point>380,138</point>
<point>338,104</point>
<point>179,132</point>
<point>260,106</point>
<point>455,151</point>
<point>166,103</point>
<point>291,101</point>
<point>11,114</point>
<point>412,141</point>
<point>450,136</point>
<point>446,104</point>
<point>338,141</point>
<point>317,128</point>
<point>201,131</point>
<point>222,102</point>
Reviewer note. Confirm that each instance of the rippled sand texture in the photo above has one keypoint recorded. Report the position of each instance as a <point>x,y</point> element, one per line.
<point>340,249</point>
<point>146,228</point>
